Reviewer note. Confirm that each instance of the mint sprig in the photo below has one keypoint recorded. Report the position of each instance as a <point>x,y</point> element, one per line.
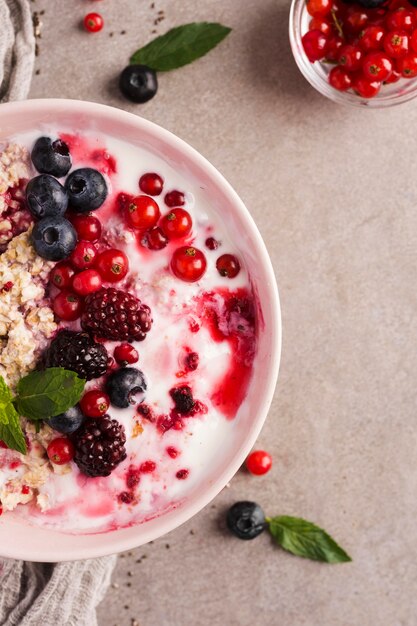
<point>180,46</point>
<point>305,539</point>
<point>40,395</point>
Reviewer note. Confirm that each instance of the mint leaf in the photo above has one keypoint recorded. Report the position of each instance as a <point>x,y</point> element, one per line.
<point>305,539</point>
<point>180,46</point>
<point>10,429</point>
<point>43,394</point>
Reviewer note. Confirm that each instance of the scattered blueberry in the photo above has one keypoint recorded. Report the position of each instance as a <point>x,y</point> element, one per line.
<point>138,83</point>
<point>67,422</point>
<point>46,197</point>
<point>126,386</point>
<point>54,238</point>
<point>87,189</point>
<point>246,520</point>
<point>51,156</point>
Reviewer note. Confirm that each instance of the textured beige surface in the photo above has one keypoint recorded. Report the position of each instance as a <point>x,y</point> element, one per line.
<point>334,193</point>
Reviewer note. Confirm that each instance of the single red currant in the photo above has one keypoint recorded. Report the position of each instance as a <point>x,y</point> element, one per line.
<point>176,224</point>
<point>259,462</point>
<point>151,183</point>
<point>377,66</point>
<point>396,44</point>
<point>95,403</point>
<point>113,265</point>
<point>394,77</point>
<point>319,8</point>
<point>212,243</point>
<point>87,281</point>
<point>228,265</point>
<point>365,87</point>
<point>143,213</point>
<point>315,45</point>
<point>188,264</point>
<point>401,19</point>
<point>355,21</point>
<point>340,79</point>
<point>93,22</point>
<point>371,38</point>
<point>154,239</point>
<point>413,41</point>
<point>60,451</point>
<point>174,198</point>
<point>67,305</point>
<point>408,66</point>
<point>88,227</point>
<point>83,255</point>
<point>61,275</point>
<point>126,354</point>
<point>322,24</point>
<point>350,57</point>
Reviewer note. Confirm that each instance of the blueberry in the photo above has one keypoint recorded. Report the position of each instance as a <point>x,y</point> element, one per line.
<point>51,156</point>
<point>87,189</point>
<point>138,83</point>
<point>126,386</point>
<point>246,520</point>
<point>67,422</point>
<point>54,238</point>
<point>46,197</point>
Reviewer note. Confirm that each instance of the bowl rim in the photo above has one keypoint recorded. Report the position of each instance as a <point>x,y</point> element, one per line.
<point>173,519</point>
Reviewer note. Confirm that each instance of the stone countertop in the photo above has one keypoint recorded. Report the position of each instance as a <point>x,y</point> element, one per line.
<point>333,193</point>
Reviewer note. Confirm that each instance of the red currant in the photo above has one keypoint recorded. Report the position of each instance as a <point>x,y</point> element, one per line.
<point>177,223</point>
<point>95,403</point>
<point>113,265</point>
<point>228,265</point>
<point>394,77</point>
<point>355,20</point>
<point>396,44</point>
<point>88,227</point>
<point>377,66</point>
<point>126,354</point>
<point>67,305</point>
<point>340,79</point>
<point>154,239</point>
<point>143,213</point>
<point>151,183</point>
<point>83,255</point>
<point>61,275</point>
<point>371,38</point>
<point>259,462</point>
<point>319,8</point>
<point>366,88</point>
<point>174,198</point>
<point>87,281</point>
<point>408,66</point>
<point>401,19</point>
<point>60,451</point>
<point>93,22</point>
<point>350,57</point>
<point>315,45</point>
<point>321,24</point>
<point>413,41</point>
<point>335,43</point>
<point>188,264</point>
<point>212,243</point>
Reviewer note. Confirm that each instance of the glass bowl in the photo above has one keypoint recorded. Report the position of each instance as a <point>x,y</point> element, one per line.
<point>317,73</point>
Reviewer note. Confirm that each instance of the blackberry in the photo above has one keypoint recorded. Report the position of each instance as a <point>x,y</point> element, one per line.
<point>115,314</point>
<point>99,446</point>
<point>77,352</point>
<point>183,398</point>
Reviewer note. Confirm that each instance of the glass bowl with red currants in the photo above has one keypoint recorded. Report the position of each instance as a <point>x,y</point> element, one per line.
<point>359,53</point>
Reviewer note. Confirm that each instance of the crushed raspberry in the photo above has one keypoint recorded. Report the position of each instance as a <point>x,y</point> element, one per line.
<point>14,465</point>
<point>172,452</point>
<point>104,161</point>
<point>191,361</point>
<point>148,467</point>
<point>126,497</point>
<point>7,286</point>
<point>25,490</point>
<point>166,422</point>
<point>182,474</point>
<point>122,201</point>
<point>132,477</point>
<point>193,325</point>
<point>146,412</point>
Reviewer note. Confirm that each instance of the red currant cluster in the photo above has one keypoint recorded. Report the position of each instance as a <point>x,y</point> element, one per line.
<point>369,46</point>
<point>85,270</point>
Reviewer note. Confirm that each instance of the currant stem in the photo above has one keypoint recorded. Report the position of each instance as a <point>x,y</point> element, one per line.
<point>337,24</point>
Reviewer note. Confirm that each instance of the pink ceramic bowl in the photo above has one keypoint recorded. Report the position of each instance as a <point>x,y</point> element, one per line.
<point>19,540</point>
